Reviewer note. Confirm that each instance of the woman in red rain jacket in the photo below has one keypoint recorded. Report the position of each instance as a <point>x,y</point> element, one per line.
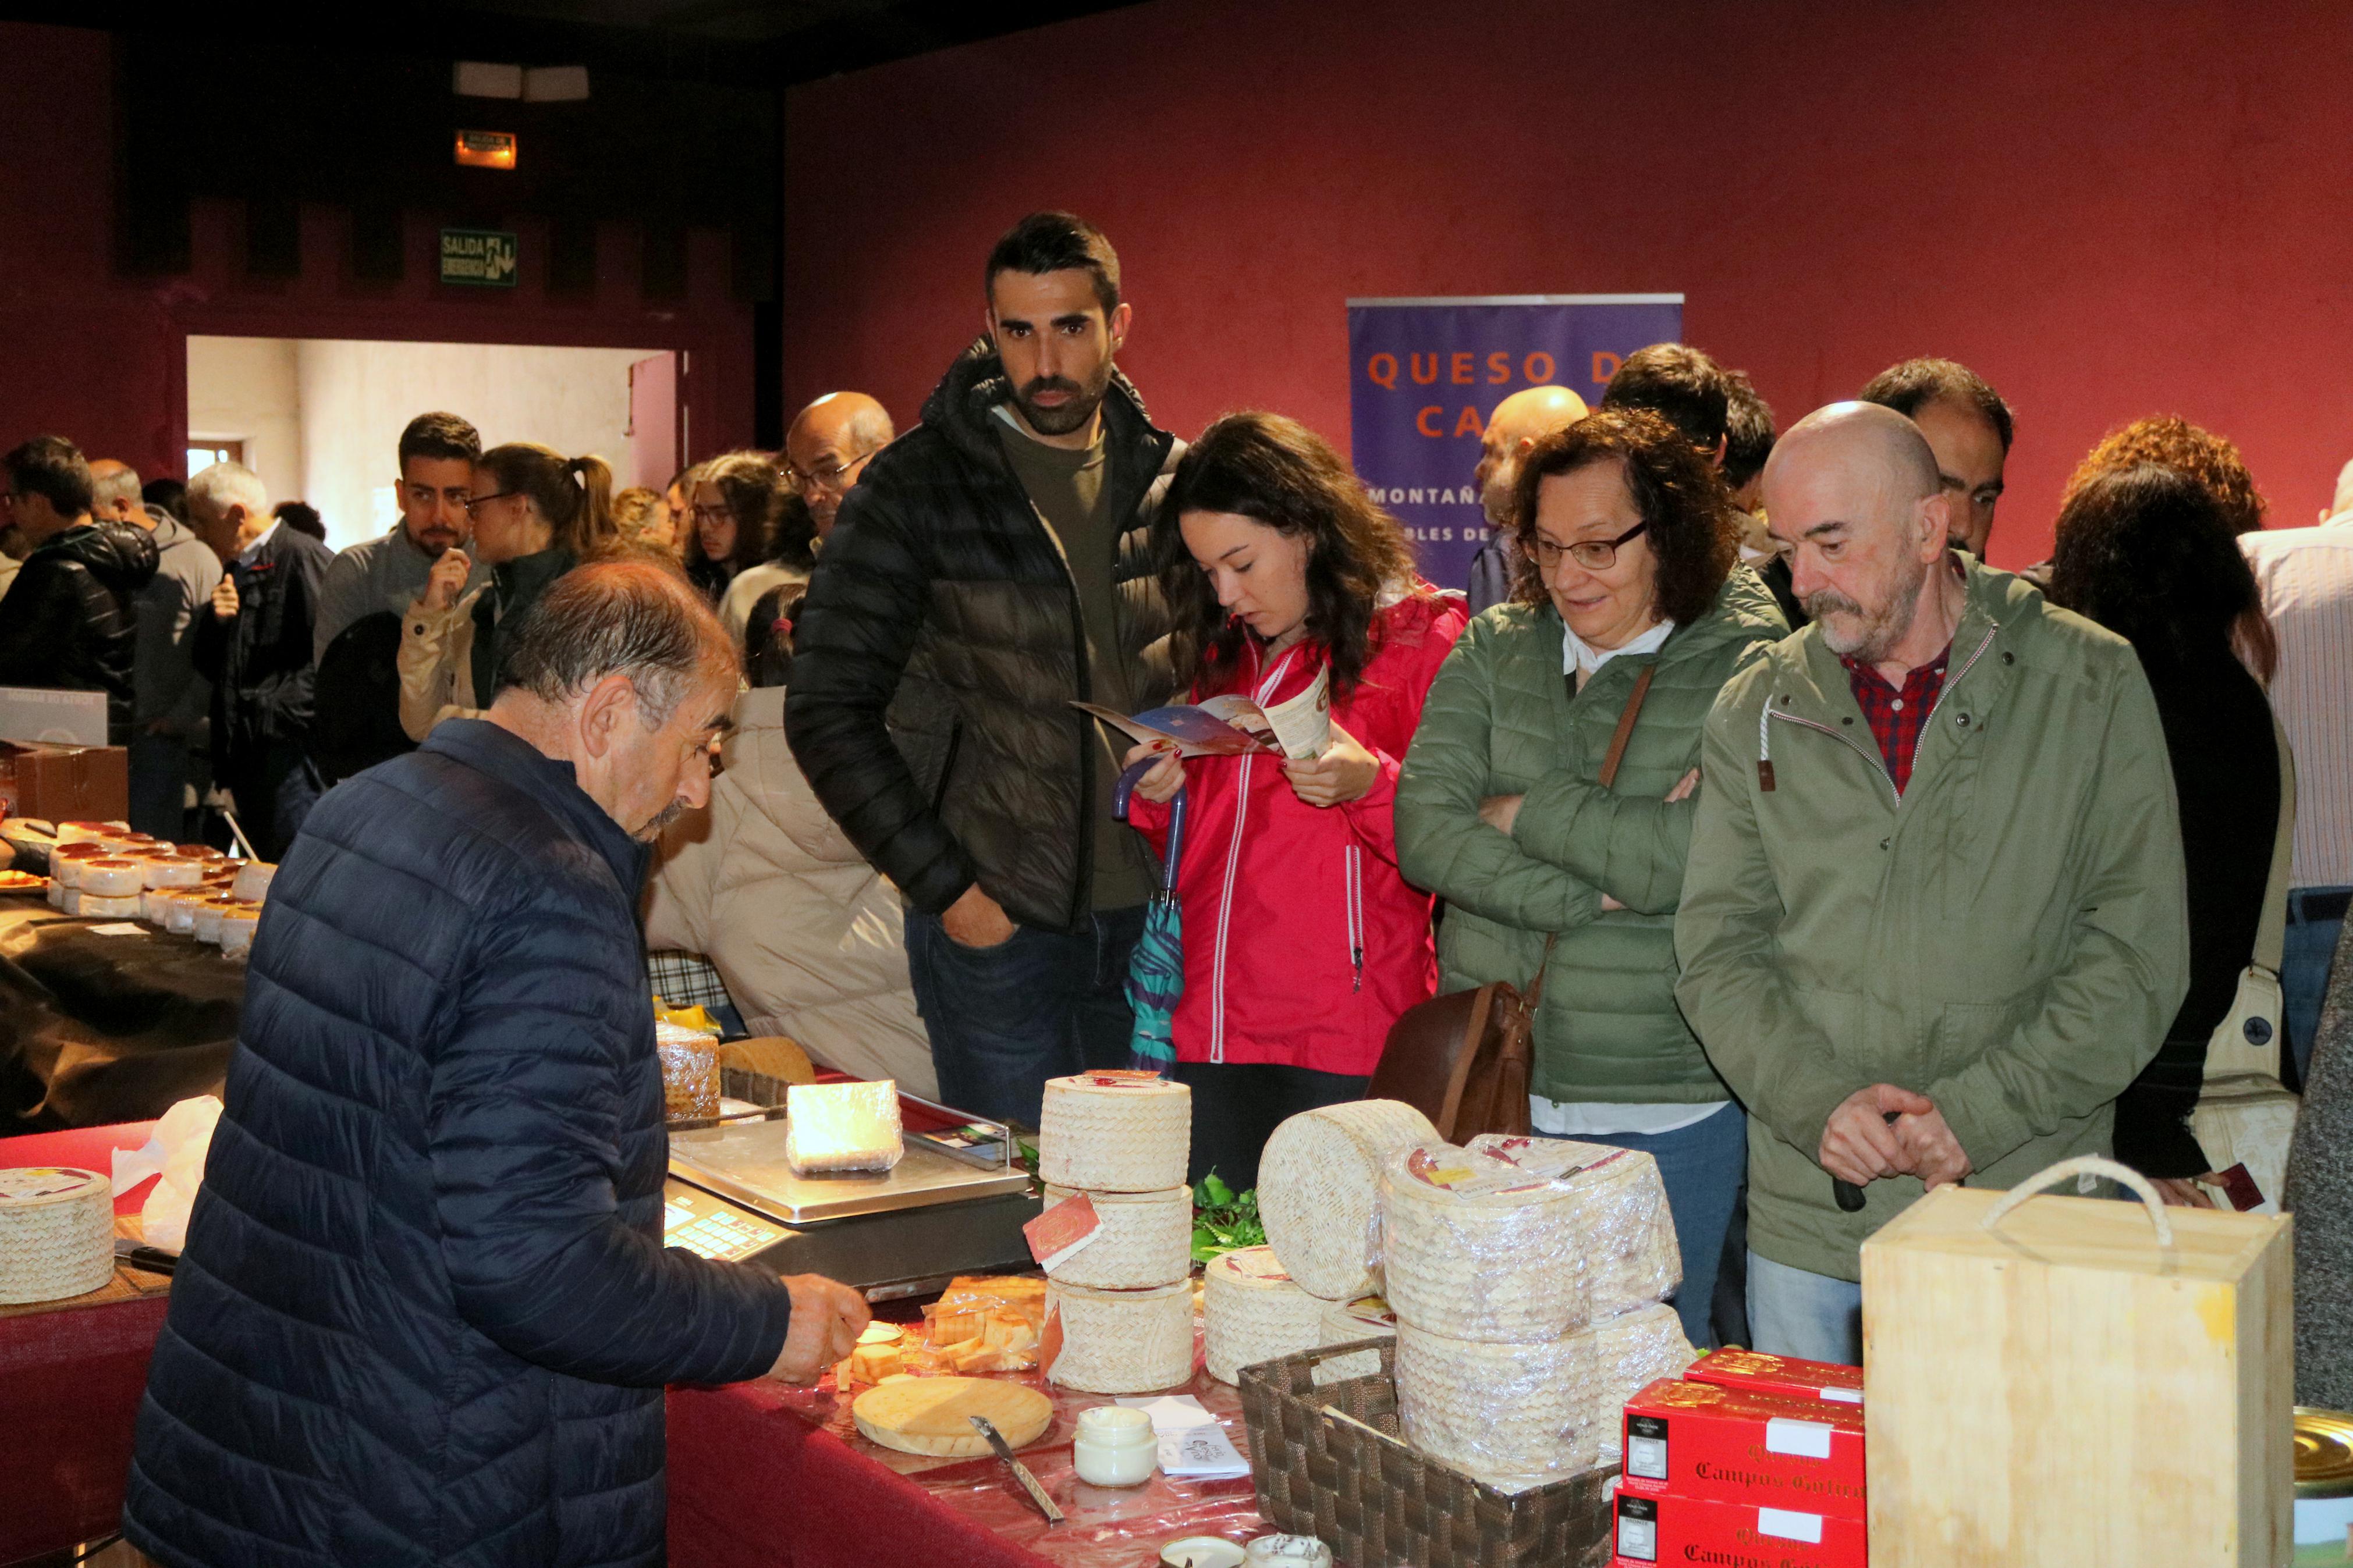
<point>1302,942</point>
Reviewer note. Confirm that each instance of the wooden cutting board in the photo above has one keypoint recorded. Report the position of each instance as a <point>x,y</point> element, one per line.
<point>932,1416</point>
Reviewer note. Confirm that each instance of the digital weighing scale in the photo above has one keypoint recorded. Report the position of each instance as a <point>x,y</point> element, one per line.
<point>954,1203</point>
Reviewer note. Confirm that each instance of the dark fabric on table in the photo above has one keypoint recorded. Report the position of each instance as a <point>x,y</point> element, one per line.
<point>2320,1197</point>
<point>425,1314</point>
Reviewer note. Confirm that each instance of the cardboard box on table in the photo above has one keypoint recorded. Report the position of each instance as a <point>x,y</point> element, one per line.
<point>66,784</point>
<point>2070,1380</point>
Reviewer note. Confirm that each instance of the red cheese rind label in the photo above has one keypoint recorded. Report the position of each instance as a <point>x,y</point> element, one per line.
<point>1062,1231</point>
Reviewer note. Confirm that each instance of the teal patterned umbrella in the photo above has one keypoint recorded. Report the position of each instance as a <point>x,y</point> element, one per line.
<point>1155,974</point>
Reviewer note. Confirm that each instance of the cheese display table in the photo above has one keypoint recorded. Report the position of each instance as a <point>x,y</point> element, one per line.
<point>71,1372</point>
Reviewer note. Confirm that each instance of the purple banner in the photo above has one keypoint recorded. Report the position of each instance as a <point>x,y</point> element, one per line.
<point>1423,375</point>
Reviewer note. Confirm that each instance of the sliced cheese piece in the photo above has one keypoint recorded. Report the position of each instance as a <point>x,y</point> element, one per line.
<point>1141,1239</point>
<point>1254,1311</point>
<point>1120,1342</point>
<point>843,1126</point>
<point>1518,1415</point>
<point>933,1415</point>
<point>872,1364</point>
<point>1114,1132</point>
<point>1319,1190</point>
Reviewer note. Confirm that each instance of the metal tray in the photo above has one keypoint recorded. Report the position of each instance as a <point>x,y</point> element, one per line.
<point>745,1161</point>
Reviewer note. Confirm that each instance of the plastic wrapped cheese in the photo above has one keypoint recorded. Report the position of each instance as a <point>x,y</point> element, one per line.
<point>689,1064</point>
<point>208,917</point>
<point>180,913</point>
<point>1345,1322</point>
<point>57,1233</point>
<point>1319,1191</point>
<point>1518,1415</point>
<point>66,861</point>
<point>1628,1255</point>
<point>1252,1311</point>
<point>111,878</point>
<point>1114,1132</point>
<point>1119,1341</point>
<point>1479,1247</point>
<point>1141,1239</point>
<point>844,1126</point>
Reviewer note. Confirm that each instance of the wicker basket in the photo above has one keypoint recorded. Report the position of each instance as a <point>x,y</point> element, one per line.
<point>1351,1481</point>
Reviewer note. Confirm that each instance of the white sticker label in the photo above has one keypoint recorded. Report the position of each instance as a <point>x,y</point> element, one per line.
<point>1804,1439</point>
<point>1647,1457</point>
<point>1638,1538</point>
<point>1790,1525</point>
<point>1842,1395</point>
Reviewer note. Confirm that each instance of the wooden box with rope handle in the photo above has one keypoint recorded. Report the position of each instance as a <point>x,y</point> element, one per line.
<point>2070,1380</point>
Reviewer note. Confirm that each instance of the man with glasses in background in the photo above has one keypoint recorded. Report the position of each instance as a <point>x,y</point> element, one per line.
<point>828,448</point>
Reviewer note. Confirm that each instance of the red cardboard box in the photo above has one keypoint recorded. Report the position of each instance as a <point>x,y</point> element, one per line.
<point>1670,1527</point>
<point>1785,1376</point>
<point>1737,1446</point>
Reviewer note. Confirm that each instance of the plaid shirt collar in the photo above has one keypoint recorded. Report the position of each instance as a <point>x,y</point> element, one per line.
<point>1897,715</point>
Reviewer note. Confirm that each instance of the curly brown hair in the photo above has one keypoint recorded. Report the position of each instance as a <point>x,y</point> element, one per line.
<point>1692,529</point>
<point>1279,472</point>
<point>2172,442</point>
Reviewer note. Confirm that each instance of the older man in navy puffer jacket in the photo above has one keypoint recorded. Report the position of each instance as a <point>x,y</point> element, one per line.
<point>425,1314</point>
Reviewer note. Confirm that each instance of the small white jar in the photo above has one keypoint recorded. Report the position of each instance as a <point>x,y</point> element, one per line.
<point>1115,1446</point>
<point>1287,1552</point>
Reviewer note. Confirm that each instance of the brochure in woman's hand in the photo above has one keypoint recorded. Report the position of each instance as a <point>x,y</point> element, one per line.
<point>1298,727</point>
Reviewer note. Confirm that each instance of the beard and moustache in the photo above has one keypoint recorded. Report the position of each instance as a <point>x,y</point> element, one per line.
<point>1872,632</point>
<point>661,819</point>
<point>1071,415</point>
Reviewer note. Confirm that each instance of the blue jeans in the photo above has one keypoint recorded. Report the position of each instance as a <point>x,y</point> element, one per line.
<point>1702,1165</point>
<point>2304,967</point>
<point>1811,1316</point>
<point>159,787</point>
<point>1039,1005</point>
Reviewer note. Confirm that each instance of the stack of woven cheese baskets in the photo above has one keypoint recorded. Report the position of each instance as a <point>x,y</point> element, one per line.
<point>1317,1281</point>
<point>1123,1304</point>
<point>1525,1275</point>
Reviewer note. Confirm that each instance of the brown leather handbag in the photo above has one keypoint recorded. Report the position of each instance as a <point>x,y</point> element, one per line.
<point>1465,1060</point>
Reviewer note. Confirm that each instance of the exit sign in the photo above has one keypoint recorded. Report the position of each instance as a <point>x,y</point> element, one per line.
<point>477,257</point>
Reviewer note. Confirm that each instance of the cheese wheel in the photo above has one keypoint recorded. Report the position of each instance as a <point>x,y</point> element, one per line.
<point>72,901</point>
<point>1114,1132</point>
<point>253,879</point>
<point>113,877</point>
<point>237,928</point>
<point>66,861</point>
<point>105,907</point>
<point>1319,1191</point>
<point>56,893</point>
<point>933,1415</point>
<point>1518,1415</point>
<point>1482,1249</point>
<point>208,917</point>
<point>1254,1311</point>
<point>1141,1239</point>
<point>1120,1342</point>
<point>171,871</point>
<point>57,1233</point>
<point>198,852</point>
<point>180,913</point>
<point>1345,1323</point>
<point>105,832</point>
<point>1629,1253</point>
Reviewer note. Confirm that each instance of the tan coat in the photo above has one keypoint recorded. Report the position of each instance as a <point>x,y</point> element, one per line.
<point>807,936</point>
<point>437,665</point>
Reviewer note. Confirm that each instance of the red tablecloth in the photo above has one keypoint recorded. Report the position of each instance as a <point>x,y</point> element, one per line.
<point>70,1381</point>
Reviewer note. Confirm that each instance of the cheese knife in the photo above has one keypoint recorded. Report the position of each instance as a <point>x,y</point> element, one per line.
<point>988,1429</point>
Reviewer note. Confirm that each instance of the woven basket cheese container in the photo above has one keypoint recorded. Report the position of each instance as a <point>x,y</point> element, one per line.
<point>1114,1132</point>
<point>57,1233</point>
<point>1141,1239</point>
<point>1319,1191</point>
<point>1518,1415</point>
<point>1254,1311</point>
<point>1480,1248</point>
<point>1629,1255</point>
<point>1345,1322</point>
<point>1121,1342</point>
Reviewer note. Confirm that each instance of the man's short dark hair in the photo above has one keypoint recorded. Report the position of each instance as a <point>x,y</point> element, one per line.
<point>1057,242</point>
<point>302,518</point>
<point>1679,383</point>
<point>167,494</point>
<point>635,617</point>
<point>1748,430</point>
<point>52,468</point>
<point>1911,386</point>
<point>439,436</point>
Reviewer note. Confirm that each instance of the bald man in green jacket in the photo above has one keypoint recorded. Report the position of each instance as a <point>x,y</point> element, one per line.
<point>1934,918</point>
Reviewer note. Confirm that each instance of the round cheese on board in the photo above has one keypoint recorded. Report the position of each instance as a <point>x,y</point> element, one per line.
<point>1345,1322</point>
<point>237,928</point>
<point>208,917</point>
<point>1120,1342</point>
<point>111,878</point>
<point>253,879</point>
<point>66,861</point>
<point>1141,1239</point>
<point>171,871</point>
<point>57,1233</point>
<point>1319,1191</point>
<point>105,906</point>
<point>1629,1253</point>
<point>1114,1132</point>
<point>1254,1311</point>
<point>1517,1415</point>
<point>933,1415</point>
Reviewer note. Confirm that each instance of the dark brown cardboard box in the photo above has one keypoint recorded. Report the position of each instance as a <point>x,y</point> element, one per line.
<point>66,784</point>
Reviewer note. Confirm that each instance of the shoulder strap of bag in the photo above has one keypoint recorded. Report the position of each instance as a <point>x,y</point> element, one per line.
<point>1617,753</point>
<point>2271,934</point>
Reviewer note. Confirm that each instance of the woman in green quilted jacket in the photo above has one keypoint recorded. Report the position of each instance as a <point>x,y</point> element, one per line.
<point>1627,578</point>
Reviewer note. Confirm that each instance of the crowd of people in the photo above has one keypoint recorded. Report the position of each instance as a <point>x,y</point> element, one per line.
<point>1837,864</point>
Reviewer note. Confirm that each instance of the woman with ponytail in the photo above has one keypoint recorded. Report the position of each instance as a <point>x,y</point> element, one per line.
<point>536,514</point>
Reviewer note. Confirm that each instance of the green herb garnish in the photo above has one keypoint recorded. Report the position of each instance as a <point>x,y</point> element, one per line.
<point>1223,1220</point>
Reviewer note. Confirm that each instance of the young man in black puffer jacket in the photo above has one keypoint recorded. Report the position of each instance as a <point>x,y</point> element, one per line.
<point>991,567</point>
<point>71,618</point>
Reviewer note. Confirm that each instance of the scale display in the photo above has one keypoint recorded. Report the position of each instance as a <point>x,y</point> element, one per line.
<point>710,1227</point>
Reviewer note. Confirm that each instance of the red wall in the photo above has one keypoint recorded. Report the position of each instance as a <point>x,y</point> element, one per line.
<point>2109,211</point>
<point>103,360</point>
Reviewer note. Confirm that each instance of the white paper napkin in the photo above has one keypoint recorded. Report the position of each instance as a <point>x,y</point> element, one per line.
<point>1191,1443</point>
